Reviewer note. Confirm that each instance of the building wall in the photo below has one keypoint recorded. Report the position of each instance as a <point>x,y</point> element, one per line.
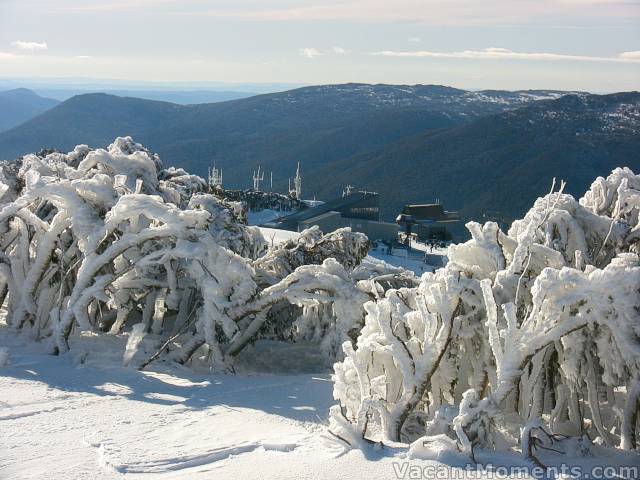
<point>437,231</point>
<point>374,230</point>
<point>366,208</point>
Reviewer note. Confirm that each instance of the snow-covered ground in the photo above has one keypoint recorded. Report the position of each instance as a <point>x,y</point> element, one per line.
<point>419,260</point>
<point>66,418</point>
<point>84,416</point>
<point>275,236</point>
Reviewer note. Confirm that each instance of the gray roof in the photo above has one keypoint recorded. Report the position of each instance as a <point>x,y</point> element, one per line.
<point>434,212</point>
<point>290,222</point>
<point>321,217</point>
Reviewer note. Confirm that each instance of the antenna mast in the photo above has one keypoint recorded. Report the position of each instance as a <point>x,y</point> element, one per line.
<point>215,176</point>
<point>297,182</point>
<point>257,178</point>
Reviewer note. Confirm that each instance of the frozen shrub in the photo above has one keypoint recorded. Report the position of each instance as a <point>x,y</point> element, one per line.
<point>100,240</point>
<point>540,324</point>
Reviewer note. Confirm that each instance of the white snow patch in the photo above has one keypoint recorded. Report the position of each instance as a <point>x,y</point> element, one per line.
<point>275,236</point>
<point>419,260</point>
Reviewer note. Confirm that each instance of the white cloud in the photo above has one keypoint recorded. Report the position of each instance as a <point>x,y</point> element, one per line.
<point>630,55</point>
<point>311,52</point>
<point>414,39</point>
<point>30,46</point>
<point>316,52</point>
<point>495,53</point>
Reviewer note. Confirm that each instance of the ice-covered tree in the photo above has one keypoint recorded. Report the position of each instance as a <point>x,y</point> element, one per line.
<point>100,240</point>
<point>524,337</point>
<point>540,324</point>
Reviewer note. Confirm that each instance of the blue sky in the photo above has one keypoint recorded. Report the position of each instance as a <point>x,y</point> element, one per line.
<point>565,44</point>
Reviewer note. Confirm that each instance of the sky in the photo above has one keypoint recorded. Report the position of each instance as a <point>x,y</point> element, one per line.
<point>589,45</point>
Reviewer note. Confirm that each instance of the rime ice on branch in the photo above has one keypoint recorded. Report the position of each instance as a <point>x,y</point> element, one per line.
<point>525,337</point>
<point>540,324</point>
<point>100,240</point>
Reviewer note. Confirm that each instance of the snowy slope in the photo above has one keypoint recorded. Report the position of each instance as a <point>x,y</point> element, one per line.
<point>83,422</point>
<point>66,418</point>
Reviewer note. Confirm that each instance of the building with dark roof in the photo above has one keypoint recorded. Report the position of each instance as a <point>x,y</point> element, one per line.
<point>358,210</point>
<point>429,221</point>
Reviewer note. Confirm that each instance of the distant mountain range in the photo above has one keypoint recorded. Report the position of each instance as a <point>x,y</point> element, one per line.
<point>478,152</point>
<point>311,125</point>
<point>178,92</point>
<point>19,105</point>
<point>498,164</point>
<point>183,97</point>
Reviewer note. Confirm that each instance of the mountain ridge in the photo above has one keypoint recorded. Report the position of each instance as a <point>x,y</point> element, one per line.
<point>21,104</point>
<point>577,141</point>
<point>411,143</point>
<point>311,106</point>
